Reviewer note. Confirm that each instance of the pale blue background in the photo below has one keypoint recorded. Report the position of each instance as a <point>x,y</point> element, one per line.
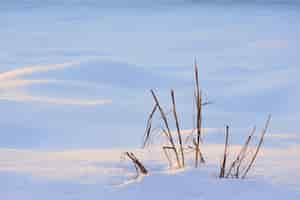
<point>248,55</point>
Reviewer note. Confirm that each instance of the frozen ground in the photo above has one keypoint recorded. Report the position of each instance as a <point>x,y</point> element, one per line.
<point>104,174</point>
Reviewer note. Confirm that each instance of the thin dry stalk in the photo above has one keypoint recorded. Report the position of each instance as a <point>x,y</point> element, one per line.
<point>168,148</point>
<point>223,166</point>
<point>177,126</point>
<point>189,136</point>
<point>149,126</point>
<point>167,127</point>
<point>199,117</point>
<point>201,156</point>
<point>165,149</point>
<point>240,157</point>
<point>165,132</point>
<point>137,163</point>
<point>258,147</point>
<point>244,155</point>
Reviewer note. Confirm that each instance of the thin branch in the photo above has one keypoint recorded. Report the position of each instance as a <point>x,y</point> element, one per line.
<point>199,116</point>
<point>258,147</point>
<point>149,126</point>
<point>168,147</point>
<point>244,154</point>
<point>136,162</point>
<point>240,157</point>
<point>177,126</point>
<point>167,127</point>
<point>223,166</point>
<point>189,136</point>
<point>165,148</point>
<point>207,103</point>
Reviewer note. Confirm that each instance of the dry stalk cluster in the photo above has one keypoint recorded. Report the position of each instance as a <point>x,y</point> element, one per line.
<point>175,147</point>
<point>239,168</point>
<point>175,150</point>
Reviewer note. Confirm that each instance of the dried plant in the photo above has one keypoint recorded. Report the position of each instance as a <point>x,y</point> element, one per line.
<point>258,147</point>
<point>198,96</point>
<point>168,132</point>
<point>140,168</point>
<point>149,126</point>
<point>241,156</point>
<point>192,144</point>
<point>177,127</point>
<point>223,165</point>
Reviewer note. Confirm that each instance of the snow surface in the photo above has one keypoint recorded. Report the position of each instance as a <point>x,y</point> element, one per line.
<point>105,174</point>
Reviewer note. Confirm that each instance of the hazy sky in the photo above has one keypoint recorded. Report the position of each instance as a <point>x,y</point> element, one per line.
<point>79,76</point>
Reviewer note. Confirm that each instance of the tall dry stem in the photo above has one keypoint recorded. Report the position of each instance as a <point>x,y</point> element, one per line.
<point>149,126</point>
<point>258,147</point>
<point>167,127</point>
<point>198,96</point>
<point>241,155</point>
<point>177,127</point>
<point>223,166</point>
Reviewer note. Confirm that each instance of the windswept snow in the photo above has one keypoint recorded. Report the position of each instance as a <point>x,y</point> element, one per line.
<point>275,174</point>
